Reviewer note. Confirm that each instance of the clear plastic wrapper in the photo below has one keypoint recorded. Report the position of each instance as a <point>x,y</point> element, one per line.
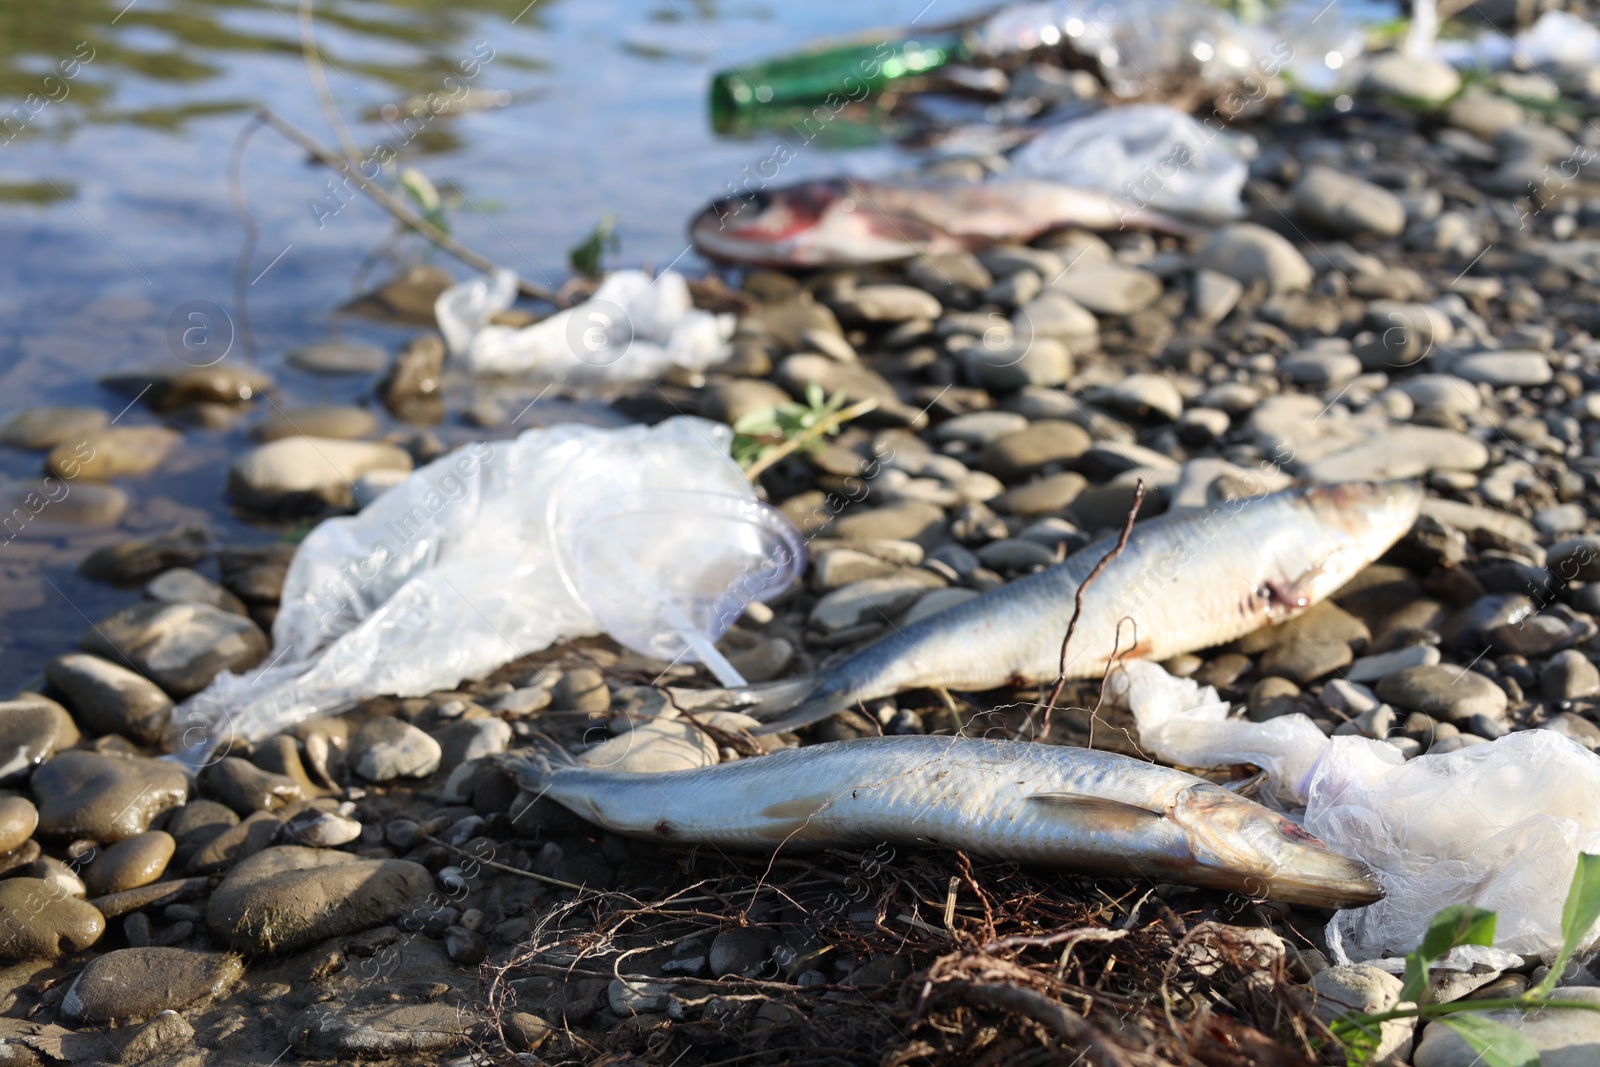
<point>1499,825</point>
<point>1151,154</point>
<point>497,550</point>
<point>634,327</point>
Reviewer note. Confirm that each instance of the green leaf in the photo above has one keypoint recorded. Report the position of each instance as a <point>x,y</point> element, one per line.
<point>1495,1044</point>
<point>1577,916</point>
<point>586,258</point>
<point>1459,924</point>
<point>1359,1037</point>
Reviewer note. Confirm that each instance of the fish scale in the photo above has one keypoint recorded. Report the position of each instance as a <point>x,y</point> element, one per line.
<point>1095,812</point>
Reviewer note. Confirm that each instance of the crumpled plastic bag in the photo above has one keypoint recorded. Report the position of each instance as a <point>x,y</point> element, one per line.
<point>632,329</point>
<point>1151,154</point>
<point>1499,825</point>
<point>463,567</point>
<point>1558,39</point>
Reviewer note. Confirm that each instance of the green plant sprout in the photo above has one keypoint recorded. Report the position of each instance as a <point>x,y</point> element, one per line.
<point>588,255</point>
<point>763,437</point>
<point>1461,924</point>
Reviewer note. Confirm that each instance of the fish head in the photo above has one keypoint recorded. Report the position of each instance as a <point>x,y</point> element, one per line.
<point>1278,860</point>
<point>1356,522</point>
<point>812,224</point>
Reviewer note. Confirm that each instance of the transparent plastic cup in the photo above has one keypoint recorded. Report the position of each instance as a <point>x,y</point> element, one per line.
<point>666,572</point>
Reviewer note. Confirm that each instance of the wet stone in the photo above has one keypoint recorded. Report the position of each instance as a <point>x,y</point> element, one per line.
<point>134,984</point>
<point>86,504</point>
<point>295,474</point>
<point>104,798</point>
<point>115,452</point>
<point>183,585</point>
<point>195,824</point>
<point>180,647</point>
<point>234,843</point>
<point>140,558</point>
<point>338,421</point>
<point>164,1036</point>
<point>1444,691</point>
<point>41,429</point>
<point>386,748</point>
<point>246,788</point>
<point>288,898</point>
<point>32,729</point>
<point>110,699</point>
<point>18,819</point>
<point>129,864</point>
<point>338,357</point>
<point>39,920</point>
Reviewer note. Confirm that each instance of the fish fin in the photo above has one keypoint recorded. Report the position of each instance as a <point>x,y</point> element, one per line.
<point>758,701</point>
<point>1111,813</point>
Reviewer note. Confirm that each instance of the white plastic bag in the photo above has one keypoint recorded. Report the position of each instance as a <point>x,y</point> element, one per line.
<point>633,328</point>
<point>1151,154</point>
<point>488,554</point>
<point>1497,825</point>
<point>1558,39</point>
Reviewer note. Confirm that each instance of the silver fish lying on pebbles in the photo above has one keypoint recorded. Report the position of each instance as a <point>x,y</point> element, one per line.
<point>1092,812</point>
<point>845,222</point>
<point>1188,581</point>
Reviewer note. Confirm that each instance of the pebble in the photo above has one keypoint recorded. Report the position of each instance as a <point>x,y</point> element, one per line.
<point>38,920</point>
<point>740,398</point>
<point>246,788</point>
<point>1213,295</point>
<point>322,829</point>
<point>41,429</point>
<point>855,381</point>
<point>1109,288</point>
<point>386,748</point>
<point>1042,496</point>
<point>195,825</point>
<point>1444,691</point>
<point>980,427</point>
<point>234,843</point>
<point>183,585</point>
<point>1374,668</point>
<point>88,504</point>
<point>903,520</point>
<point>18,819</point>
<point>337,421</point>
<point>1562,1038</point>
<point>163,1037</point>
<point>180,647</point>
<point>134,984</point>
<point>108,699</point>
<point>871,600</point>
<point>1503,368</point>
<point>115,452</point>
<point>129,864</point>
<point>287,898</point>
<point>1420,78</point>
<point>1143,396</point>
<point>338,357</point>
<point>1569,675</point>
<point>740,951</point>
<point>411,387</point>
<point>887,304</point>
<point>32,729</point>
<point>1248,253</point>
<point>1055,314</point>
<point>1442,392</point>
<point>307,473</point>
<point>1320,370</point>
<point>104,798</point>
<point>1348,205</point>
<point>1400,452</point>
<point>581,689</point>
<point>381,1032</point>
<point>1304,661</point>
<point>1044,442</point>
<point>1368,990</point>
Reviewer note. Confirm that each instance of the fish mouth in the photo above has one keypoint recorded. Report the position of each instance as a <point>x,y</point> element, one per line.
<point>1274,858</point>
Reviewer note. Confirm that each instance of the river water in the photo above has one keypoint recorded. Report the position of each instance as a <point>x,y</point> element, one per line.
<point>117,123</point>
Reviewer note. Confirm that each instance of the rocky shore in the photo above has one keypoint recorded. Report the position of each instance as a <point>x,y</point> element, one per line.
<point>1412,296</point>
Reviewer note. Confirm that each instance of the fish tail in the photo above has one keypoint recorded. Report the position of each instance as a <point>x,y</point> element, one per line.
<point>533,768</point>
<point>827,700</point>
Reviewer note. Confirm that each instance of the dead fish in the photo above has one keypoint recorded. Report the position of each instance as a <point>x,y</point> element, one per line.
<point>1075,808</point>
<point>1187,581</point>
<point>848,222</point>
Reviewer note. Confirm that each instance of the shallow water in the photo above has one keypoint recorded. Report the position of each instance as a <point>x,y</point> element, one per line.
<point>117,121</point>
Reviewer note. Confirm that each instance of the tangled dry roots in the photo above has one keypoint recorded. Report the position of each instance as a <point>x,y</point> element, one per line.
<point>899,960</point>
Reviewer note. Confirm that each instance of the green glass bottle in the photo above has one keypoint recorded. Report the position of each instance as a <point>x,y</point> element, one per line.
<point>851,72</point>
